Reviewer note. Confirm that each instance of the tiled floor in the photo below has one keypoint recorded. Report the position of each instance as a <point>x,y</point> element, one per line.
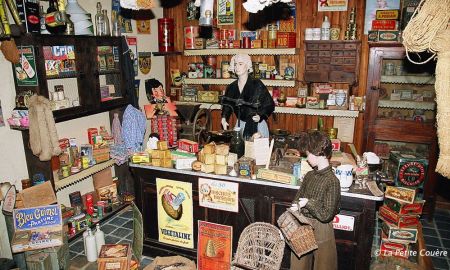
<point>436,234</point>
<point>118,229</point>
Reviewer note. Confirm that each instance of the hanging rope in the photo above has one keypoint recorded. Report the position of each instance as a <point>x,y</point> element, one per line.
<point>427,31</point>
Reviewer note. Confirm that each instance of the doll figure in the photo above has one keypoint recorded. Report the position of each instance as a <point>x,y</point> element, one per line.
<point>160,104</point>
<point>252,118</point>
<point>318,200</point>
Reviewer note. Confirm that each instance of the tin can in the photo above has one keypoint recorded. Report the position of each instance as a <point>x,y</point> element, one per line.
<point>211,60</point>
<point>272,36</point>
<point>190,33</point>
<point>166,35</point>
<point>65,171</point>
<point>225,73</point>
<point>246,43</point>
<point>84,162</point>
<point>335,32</point>
<point>332,133</point>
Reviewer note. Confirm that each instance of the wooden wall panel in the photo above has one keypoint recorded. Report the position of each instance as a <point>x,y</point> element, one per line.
<point>307,16</point>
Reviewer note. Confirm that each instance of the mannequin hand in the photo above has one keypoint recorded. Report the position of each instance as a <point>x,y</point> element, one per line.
<point>302,202</point>
<point>256,118</point>
<point>224,124</point>
<point>294,207</point>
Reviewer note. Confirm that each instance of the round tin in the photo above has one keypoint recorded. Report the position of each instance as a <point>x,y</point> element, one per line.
<point>166,35</point>
<point>190,33</point>
<point>246,43</point>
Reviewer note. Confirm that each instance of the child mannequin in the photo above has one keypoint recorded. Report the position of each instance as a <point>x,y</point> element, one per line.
<point>318,200</point>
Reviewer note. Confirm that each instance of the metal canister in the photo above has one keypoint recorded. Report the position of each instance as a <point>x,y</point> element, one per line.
<point>272,37</point>
<point>190,33</point>
<point>332,133</point>
<point>166,38</point>
<point>211,60</point>
<point>225,73</point>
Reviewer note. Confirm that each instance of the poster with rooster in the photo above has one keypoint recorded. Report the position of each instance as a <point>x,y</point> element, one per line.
<point>214,247</point>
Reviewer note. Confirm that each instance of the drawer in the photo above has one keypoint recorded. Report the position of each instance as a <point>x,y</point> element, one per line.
<point>337,61</point>
<point>350,46</point>
<point>337,46</point>
<point>312,60</point>
<point>349,53</point>
<point>311,67</point>
<point>312,46</point>
<point>337,53</point>
<point>324,46</point>
<point>340,76</point>
<point>325,53</point>
<point>324,60</point>
<point>316,76</point>
<point>312,53</point>
<point>350,61</point>
<point>324,67</point>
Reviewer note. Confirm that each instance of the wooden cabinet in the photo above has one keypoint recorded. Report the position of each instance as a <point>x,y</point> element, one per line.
<point>86,68</point>
<point>400,110</point>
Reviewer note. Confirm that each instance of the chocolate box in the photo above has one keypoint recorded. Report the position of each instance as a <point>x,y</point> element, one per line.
<point>399,235</point>
<point>114,257</point>
<point>404,208</point>
<point>393,218</point>
<point>392,249</point>
<point>400,194</point>
<point>409,170</point>
<point>384,25</point>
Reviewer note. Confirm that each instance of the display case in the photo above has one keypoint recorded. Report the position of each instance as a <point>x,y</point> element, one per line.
<point>80,75</point>
<point>400,110</point>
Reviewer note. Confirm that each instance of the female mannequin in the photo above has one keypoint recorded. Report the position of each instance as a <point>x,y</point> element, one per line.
<point>252,119</point>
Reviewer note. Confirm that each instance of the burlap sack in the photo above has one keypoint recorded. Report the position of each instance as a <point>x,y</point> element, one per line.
<point>177,262</point>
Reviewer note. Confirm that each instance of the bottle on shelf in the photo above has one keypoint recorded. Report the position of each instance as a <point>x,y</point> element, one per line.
<point>55,20</point>
<point>237,143</point>
<point>325,30</point>
<point>70,28</point>
<point>115,23</point>
<point>42,20</point>
<point>106,25</point>
<point>99,238</point>
<point>91,247</point>
<point>99,21</point>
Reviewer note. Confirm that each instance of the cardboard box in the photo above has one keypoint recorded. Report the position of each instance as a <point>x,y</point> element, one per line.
<point>209,148</point>
<point>286,39</point>
<point>399,235</point>
<point>409,170</point>
<point>401,208</point>
<point>400,194</point>
<point>384,25</point>
<point>188,145</point>
<point>221,159</point>
<point>208,96</point>
<point>39,195</point>
<point>184,163</point>
<point>102,178</point>
<point>107,192</point>
<point>392,249</point>
<point>220,169</point>
<point>114,257</point>
<point>162,145</point>
<point>393,218</point>
<point>101,154</point>
<point>384,35</point>
<point>37,228</point>
<point>388,14</point>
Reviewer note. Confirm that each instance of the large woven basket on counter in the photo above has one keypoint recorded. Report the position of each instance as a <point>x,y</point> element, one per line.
<point>298,232</point>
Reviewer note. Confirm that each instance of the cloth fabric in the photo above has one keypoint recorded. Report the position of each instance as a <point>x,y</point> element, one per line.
<point>116,129</point>
<point>128,70</point>
<point>323,191</point>
<point>254,92</point>
<point>323,258</point>
<point>263,128</point>
<point>133,128</point>
<point>43,135</point>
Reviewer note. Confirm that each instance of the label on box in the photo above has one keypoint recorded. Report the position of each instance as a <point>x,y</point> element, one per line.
<point>411,174</point>
<point>405,235</point>
<point>397,220</point>
<point>404,208</point>
<point>384,25</point>
<point>389,14</point>
<point>37,217</point>
<point>344,223</point>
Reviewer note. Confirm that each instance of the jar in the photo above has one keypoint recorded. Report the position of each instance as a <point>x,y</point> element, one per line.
<point>225,72</point>
<point>166,35</point>
<point>256,71</point>
<point>272,37</point>
<point>65,171</point>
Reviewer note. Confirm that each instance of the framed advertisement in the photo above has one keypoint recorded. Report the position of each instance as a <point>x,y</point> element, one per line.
<point>332,5</point>
<point>225,12</point>
<point>371,10</point>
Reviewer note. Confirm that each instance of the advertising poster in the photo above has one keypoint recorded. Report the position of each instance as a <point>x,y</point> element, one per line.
<point>214,246</point>
<point>145,62</point>
<point>225,12</point>
<point>25,70</point>
<point>143,26</point>
<point>371,9</point>
<point>219,195</point>
<point>132,44</point>
<point>175,217</point>
<point>332,5</point>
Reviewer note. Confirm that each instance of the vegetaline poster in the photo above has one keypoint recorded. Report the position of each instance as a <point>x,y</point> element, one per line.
<point>175,217</point>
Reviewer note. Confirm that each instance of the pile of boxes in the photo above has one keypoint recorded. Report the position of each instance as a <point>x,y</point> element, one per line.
<point>215,158</point>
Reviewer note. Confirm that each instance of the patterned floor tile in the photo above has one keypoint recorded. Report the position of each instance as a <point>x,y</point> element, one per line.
<point>432,241</point>
<point>107,228</point>
<point>78,247</point>
<point>118,221</point>
<point>111,239</point>
<point>127,214</point>
<point>429,232</point>
<point>444,234</point>
<point>128,225</point>
<point>440,262</point>
<point>122,233</point>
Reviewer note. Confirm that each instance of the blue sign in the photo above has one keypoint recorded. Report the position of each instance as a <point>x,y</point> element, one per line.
<point>37,217</point>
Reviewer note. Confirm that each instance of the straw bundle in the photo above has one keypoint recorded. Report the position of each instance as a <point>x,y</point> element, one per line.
<point>427,31</point>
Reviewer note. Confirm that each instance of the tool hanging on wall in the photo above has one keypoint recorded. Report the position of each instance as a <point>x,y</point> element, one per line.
<point>5,28</point>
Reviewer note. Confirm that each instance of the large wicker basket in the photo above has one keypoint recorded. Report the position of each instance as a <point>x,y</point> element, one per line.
<point>298,232</point>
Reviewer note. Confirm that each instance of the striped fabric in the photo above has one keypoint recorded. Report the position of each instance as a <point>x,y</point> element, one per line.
<point>133,128</point>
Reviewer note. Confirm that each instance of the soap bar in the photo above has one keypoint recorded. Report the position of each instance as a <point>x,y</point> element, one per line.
<point>221,159</point>
<point>222,149</point>
<point>209,148</point>
<point>209,159</point>
<point>220,169</point>
<point>207,168</point>
<point>162,145</point>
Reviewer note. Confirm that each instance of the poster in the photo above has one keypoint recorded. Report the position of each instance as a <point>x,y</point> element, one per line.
<point>132,44</point>
<point>145,62</point>
<point>143,26</point>
<point>175,216</point>
<point>25,70</point>
<point>332,5</point>
<point>372,6</point>
<point>214,246</point>
<point>126,26</point>
<point>219,195</point>
<point>225,12</point>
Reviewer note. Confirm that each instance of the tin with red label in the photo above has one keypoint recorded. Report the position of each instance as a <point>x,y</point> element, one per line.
<point>190,33</point>
<point>410,170</point>
<point>166,34</point>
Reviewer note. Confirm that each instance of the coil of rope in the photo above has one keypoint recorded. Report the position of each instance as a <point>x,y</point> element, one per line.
<point>428,31</point>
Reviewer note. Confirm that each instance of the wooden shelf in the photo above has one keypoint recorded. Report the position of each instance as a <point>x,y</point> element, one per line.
<point>407,79</point>
<point>407,104</point>
<point>77,177</point>
<point>63,75</point>
<point>166,53</point>
<point>280,83</point>
<point>287,110</point>
<point>265,51</point>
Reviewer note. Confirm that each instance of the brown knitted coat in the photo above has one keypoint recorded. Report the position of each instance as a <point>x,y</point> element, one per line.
<point>43,135</point>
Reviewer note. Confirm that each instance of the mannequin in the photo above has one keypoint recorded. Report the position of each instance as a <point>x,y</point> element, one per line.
<point>159,102</point>
<point>318,200</point>
<point>251,119</point>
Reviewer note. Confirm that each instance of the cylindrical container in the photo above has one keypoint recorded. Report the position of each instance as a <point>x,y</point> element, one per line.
<point>332,133</point>
<point>316,33</point>
<point>99,238</point>
<point>190,33</point>
<point>65,171</point>
<point>308,34</point>
<point>60,95</point>
<point>55,96</point>
<point>166,35</point>
<point>335,32</point>
<point>211,60</point>
<point>89,204</point>
<point>85,162</point>
<point>256,71</point>
<point>91,247</point>
<point>325,30</point>
<point>272,37</point>
<point>225,72</point>
<point>246,43</point>
<point>223,34</point>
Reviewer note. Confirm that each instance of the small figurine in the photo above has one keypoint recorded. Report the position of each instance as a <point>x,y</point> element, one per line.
<point>160,104</point>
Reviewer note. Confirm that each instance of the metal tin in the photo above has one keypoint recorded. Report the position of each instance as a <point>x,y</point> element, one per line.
<point>246,43</point>
<point>166,35</point>
<point>190,33</point>
<point>332,133</point>
<point>225,73</point>
<point>272,36</point>
<point>65,171</point>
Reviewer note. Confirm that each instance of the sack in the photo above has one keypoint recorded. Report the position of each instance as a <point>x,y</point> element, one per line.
<point>298,232</point>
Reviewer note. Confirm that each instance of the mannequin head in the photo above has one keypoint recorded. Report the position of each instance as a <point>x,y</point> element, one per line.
<point>241,64</point>
<point>154,90</point>
<point>316,143</point>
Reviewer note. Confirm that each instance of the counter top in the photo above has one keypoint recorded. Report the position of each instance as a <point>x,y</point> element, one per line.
<point>245,180</point>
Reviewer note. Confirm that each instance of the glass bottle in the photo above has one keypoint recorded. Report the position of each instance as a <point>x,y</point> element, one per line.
<point>55,24</point>
<point>237,143</point>
<point>99,21</point>
<point>106,25</point>
<point>42,20</point>
<point>99,238</point>
<point>70,28</point>
<point>228,7</point>
<point>116,27</point>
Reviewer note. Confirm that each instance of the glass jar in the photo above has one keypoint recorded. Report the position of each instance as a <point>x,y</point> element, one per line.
<point>237,143</point>
<point>166,35</point>
<point>272,40</point>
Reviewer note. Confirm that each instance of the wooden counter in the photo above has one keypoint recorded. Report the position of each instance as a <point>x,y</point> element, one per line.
<point>259,200</point>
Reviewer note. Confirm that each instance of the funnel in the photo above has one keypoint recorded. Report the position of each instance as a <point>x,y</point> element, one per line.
<point>188,111</point>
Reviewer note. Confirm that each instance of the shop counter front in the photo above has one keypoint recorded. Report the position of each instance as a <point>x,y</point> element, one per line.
<point>258,201</point>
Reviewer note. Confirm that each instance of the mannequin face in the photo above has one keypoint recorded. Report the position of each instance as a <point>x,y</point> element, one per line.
<point>240,68</point>
<point>313,160</point>
<point>158,92</point>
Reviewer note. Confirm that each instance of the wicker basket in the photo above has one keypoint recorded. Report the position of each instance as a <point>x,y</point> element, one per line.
<point>298,232</point>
